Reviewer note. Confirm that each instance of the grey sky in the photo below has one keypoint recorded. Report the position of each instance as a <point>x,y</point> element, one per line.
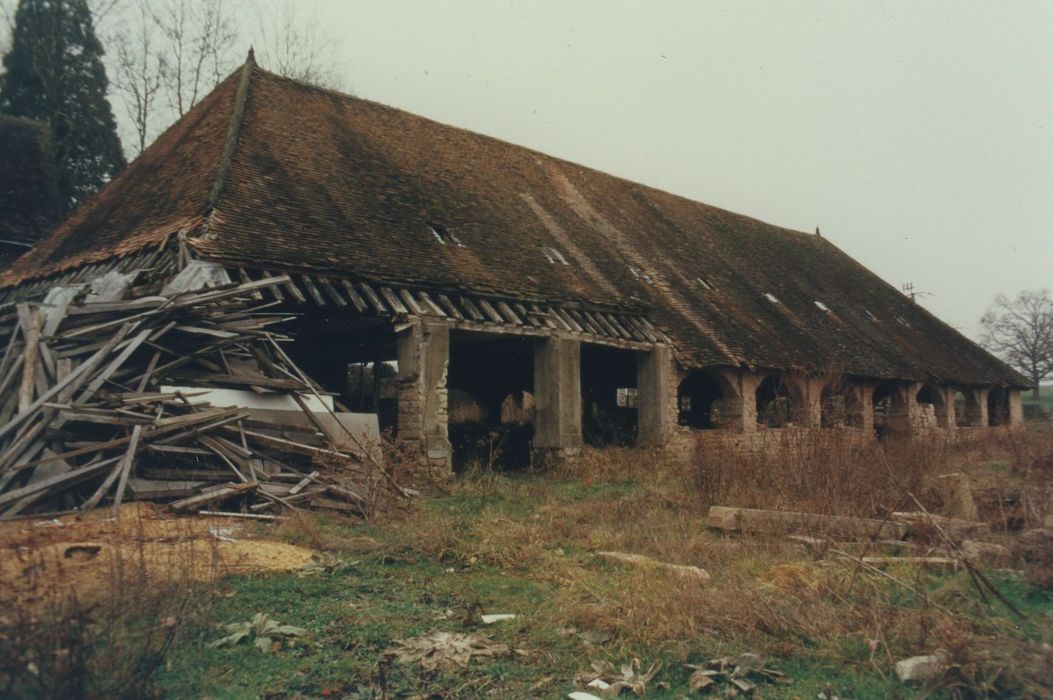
<point>918,136</point>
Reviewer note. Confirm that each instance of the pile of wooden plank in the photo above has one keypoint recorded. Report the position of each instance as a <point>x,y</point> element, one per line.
<point>105,399</point>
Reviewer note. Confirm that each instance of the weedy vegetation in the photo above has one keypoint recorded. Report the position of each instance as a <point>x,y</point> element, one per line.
<point>524,543</point>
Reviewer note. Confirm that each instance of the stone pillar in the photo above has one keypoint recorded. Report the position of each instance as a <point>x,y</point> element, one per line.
<point>981,406</point>
<point>424,356</point>
<point>947,415</point>
<point>656,408</point>
<point>904,407</point>
<point>1016,409</point>
<point>810,413</point>
<point>748,383</point>
<point>865,409</point>
<point>557,396</point>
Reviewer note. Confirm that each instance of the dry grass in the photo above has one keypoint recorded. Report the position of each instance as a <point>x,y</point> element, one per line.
<point>818,471</point>
<point>766,595</point>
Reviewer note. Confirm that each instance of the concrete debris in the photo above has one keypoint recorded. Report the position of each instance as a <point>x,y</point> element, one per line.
<point>681,570</point>
<point>787,522</point>
<point>919,669</point>
<point>986,553</point>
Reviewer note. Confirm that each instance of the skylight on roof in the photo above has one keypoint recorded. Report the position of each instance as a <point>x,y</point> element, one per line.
<point>641,275</point>
<point>444,235</point>
<point>822,306</point>
<point>871,316</point>
<point>903,322</point>
<point>554,255</point>
<point>772,298</point>
<point>705,285</point>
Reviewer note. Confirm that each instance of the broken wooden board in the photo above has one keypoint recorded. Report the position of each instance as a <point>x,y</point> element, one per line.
<point>788,522</point>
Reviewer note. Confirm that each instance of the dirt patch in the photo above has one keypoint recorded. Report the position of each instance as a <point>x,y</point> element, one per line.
<point>41,560</point>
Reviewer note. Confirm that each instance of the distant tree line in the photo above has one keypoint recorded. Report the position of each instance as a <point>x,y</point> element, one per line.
<point>164,56</point>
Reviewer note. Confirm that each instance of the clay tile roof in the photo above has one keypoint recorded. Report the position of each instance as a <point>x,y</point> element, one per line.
<point>270,172</point>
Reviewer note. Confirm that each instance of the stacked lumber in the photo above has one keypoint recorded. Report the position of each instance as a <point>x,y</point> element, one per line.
<point>88,412</point>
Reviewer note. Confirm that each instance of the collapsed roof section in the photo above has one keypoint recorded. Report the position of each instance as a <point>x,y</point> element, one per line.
<point>270,173</point>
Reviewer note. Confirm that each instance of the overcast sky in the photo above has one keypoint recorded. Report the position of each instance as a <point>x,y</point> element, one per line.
<point>917,135</point>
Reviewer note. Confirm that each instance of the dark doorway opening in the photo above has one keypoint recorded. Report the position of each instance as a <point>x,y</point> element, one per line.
<point>490,401</point>
<point>608,396</point>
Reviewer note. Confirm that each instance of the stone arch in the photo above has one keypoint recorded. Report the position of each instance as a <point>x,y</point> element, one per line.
<point>700,398</point>
<point>931,408</point>
<point>889,403</point>
<point>997,406</point>
<point>841,405</point>
<point>967,412</point>
<point>777,402</point>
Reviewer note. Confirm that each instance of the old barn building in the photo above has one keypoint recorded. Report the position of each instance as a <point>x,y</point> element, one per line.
<point>453,283</point>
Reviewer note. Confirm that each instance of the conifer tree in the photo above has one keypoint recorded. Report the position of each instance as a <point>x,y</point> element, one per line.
<point>54,73</point>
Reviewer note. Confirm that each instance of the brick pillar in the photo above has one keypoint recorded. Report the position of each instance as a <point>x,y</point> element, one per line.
<point>1016,409</point>
<point>423,356</point>
<point>656,408</point>
<point>557,396</point>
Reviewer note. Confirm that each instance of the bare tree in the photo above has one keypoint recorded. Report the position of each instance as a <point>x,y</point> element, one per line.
<point>199,38</point>
<point>169,54</point>
<point>141,72</point>
<point>1020,330</point>
<point>294,44</point>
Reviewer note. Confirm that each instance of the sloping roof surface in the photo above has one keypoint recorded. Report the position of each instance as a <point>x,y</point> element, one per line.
<point>28,203</point>
<point>326,182</point>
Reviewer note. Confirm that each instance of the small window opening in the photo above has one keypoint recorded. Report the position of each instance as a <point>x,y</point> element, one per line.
<point>625,397</point>
<point>822,306</point>
<point>772,298</point>
<point>439,231</point>
<point>640,274</point>
<point>554,255</point>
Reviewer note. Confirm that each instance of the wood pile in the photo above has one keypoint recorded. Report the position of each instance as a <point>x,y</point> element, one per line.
<point>88,413</point>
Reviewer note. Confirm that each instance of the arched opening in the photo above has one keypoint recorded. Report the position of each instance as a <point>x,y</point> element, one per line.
<point>884,404</point>
<point>997,407</point>
<point>966,408</point>
<point>774,407</point>
<point>840,406</point>
<point>698,400</point>
<point>932,412</point>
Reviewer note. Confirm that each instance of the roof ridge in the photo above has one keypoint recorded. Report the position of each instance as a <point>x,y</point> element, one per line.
<point>230,145</point>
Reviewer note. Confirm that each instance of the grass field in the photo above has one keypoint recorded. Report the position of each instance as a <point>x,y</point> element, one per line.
<point>526,544</point>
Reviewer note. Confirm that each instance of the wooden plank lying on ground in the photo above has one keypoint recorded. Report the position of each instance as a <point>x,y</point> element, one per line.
<point>215,496</point>
<point>786,522</point>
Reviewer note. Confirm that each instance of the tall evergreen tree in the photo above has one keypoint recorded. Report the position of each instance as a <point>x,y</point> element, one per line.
<point>54,73</point>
